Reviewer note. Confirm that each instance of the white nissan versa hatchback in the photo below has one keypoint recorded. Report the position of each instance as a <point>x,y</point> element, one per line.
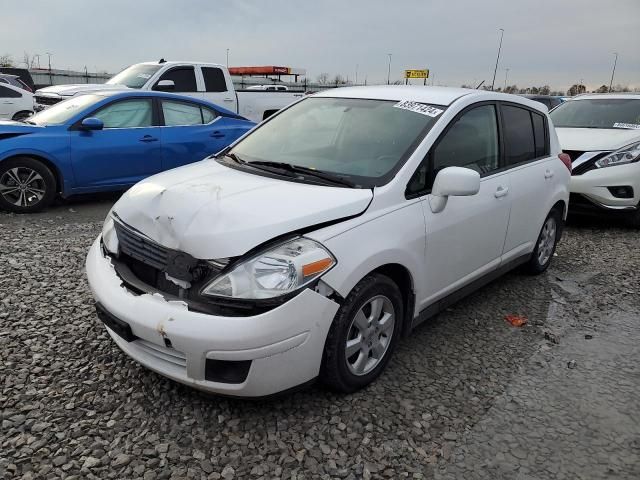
<point>314,243</point>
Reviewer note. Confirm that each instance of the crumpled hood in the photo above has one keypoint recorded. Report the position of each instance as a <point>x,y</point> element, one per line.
<point>595,139</point>
<point>74,89</point>
<point>212,211</point>
<point>9,127</point>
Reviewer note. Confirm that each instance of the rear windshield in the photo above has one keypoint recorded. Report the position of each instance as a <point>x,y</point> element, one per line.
<point>598,113</point>
<point>365,141</point>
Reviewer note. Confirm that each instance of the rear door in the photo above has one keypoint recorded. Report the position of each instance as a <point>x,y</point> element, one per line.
<point>10,101</point>
<point>217,89</point>
<point>531,170</point>
<point>127,150</point>
<point>191,132</point>
<point>465,239</point>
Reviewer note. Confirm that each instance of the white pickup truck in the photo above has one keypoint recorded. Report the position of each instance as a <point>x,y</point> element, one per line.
<point>208,81</point>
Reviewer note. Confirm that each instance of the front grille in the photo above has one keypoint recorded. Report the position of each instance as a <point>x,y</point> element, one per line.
<point>47,100</point>
<point>137,246</point>
<point>164,354</point>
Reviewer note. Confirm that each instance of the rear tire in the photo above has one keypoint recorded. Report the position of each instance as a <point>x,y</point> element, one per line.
<point>363,335</point>
<point>26,185</point>
<point>546,243</point>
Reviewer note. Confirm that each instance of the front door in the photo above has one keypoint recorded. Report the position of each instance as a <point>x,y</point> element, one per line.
<point>466,238</point>
<point>127,150</point>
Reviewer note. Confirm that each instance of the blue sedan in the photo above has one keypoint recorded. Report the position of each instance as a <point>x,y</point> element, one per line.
<point>107,141</point>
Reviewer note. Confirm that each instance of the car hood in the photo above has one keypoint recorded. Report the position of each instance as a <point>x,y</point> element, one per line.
<point>74,89</point>
<point>594,139</point>
<point>212,211</point>
<point>9,127</point>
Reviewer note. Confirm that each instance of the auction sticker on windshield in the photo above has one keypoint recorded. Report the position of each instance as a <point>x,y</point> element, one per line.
<point>634,126</point>
<point>419,108</point>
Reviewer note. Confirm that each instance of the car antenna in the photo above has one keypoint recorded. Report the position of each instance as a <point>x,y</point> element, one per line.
<point>162,60</point>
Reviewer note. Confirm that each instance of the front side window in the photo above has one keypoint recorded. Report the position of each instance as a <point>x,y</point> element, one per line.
<point>184,79</point>
<point>598,113</point>
<point>134,76</point>
<point>214,80</point>
<point>366,141</point>
<point>519,139</point>
<point>126,114</point>
<point>183,113</point>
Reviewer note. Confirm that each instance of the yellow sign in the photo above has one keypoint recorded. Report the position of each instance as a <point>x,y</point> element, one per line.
<point>416,73</point>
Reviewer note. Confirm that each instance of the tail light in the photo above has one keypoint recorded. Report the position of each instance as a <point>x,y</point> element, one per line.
<point>566,159</point>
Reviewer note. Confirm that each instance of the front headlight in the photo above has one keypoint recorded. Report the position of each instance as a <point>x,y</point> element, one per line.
<point>275,272</point>
<point>628,154</point>
<point>109,236</point>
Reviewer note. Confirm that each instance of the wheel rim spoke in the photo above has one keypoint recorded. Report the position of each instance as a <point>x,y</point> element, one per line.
<point>361,322</point>
<point>353,346</point>
<point>376,308</point>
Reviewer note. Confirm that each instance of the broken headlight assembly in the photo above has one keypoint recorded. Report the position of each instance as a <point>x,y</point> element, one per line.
<point>274,272</point>
<point>109,236</point>
<point>628,154</point>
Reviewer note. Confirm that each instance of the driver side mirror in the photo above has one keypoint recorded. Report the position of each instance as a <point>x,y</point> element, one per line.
<point>453,181</point>
<point>92,123</point>
<point>165,86</point>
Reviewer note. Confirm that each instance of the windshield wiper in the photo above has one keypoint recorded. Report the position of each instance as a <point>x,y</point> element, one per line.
<point>287,167</point>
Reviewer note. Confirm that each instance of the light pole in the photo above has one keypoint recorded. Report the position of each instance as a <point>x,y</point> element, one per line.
<point>497,59</point>
<point>50,77</point>
<point>389,69</point>
<point>227,58</point>
<point>356,74</point>
<point>613,72</point>
<point>506,74</point>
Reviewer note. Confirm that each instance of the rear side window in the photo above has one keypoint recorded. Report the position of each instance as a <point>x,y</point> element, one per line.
<point>183,113</point>
<point>214,80</point>
<point>539,135</point>
<point>9,93</point>
<point>184,79</point>
<point>519,140</point>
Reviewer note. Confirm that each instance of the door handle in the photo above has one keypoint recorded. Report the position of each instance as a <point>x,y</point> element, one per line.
<point>217,134</point>
<point>501,191</point>
<point>148,139</point>
<point>548,174</point>
<point>227,99</point>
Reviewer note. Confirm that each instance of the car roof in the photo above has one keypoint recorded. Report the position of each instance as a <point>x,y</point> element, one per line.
<point>597,96</point>
<point>176,62</point>
<point>124,93</point>
<point>424,94</point>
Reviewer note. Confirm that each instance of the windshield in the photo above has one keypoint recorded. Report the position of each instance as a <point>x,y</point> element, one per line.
<point>365,141</point>
<point>598,113</point>
<point>134,76</point>
<point>60,113</point>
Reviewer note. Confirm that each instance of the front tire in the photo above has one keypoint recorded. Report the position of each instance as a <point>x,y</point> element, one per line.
<point>546,243</point>
<point>26,185</point>
<point>363,335</point>
<point>22,115</point>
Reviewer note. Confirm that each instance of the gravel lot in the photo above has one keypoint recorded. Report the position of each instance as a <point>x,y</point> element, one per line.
<point>467,396</point>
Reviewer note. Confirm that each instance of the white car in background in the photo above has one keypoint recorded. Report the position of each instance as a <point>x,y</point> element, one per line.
<point>601,134</point>
<point>15,103</point>
<point>314,243</point>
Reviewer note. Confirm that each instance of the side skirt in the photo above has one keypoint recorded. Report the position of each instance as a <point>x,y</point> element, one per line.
<point>445,302</point>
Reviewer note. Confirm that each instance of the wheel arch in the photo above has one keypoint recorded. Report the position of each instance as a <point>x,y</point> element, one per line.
<point>57,174</point>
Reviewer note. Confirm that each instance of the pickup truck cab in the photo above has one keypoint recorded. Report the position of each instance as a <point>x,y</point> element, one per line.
<point>206,81</point>
<point>317,240</point>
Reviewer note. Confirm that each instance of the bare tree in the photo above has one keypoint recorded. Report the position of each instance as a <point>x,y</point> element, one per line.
<point>602,89</point>
<point>338,80</point>
<point>6,60</point>
<point>323,78</point>
<point>576,90</point>
<point>545,90</point>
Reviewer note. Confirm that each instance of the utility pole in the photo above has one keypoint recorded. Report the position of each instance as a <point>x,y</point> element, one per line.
<point>356,74</point>
<point>613,72</point>
<point>389,69</point>
<point>506,74</point>
<point>227,58</point>
<point>497,59</point>
<point>50,76</point>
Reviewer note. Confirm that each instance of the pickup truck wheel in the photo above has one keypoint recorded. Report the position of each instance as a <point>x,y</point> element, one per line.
<point>26,185</point>
<point>363,334</point>
<point>546,243</point>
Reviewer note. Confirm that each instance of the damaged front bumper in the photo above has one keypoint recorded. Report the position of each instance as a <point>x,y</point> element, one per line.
<point>243,356</point>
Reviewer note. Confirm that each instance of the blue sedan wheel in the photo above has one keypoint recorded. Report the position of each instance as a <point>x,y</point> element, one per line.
<point>26,185</point>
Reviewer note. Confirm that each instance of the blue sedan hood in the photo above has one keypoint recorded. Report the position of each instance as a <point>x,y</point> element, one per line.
<point>9,127</point>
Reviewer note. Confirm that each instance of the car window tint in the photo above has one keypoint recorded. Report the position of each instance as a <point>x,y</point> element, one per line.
<point>181,113</point>
<point>214,80</point>
<point>208,115</point>
<point>471,142</point>
<point>519,141</point>
<point>184,79</point>
<point>538,133</point>
<point>9,93</point>
<point>126,114</point>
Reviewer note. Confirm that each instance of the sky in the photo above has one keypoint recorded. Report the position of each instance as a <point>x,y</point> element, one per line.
<point>553,42</point>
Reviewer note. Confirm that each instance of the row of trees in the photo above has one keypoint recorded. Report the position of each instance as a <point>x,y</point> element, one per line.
<point>546,90</point>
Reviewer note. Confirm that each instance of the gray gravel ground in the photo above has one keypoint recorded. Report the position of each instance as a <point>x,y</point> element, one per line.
<point>467,396</point>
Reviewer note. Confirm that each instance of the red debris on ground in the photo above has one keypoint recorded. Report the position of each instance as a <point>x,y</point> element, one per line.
<point>516,320</point>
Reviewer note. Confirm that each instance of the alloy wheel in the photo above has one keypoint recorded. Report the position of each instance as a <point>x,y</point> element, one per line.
<point>547,240</point>
<point>22,186</point>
